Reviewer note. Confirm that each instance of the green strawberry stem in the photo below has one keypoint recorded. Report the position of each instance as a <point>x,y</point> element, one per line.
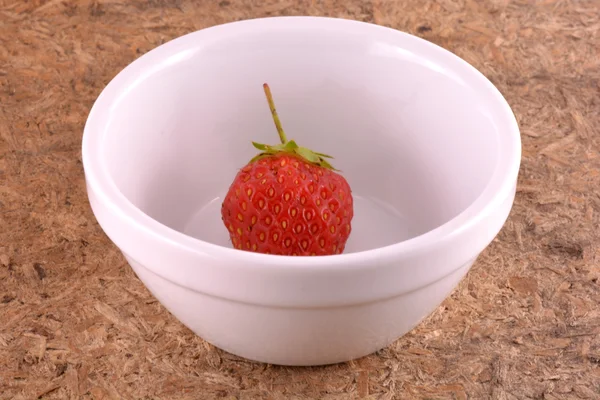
<point>288,146</point>
<point>274,113</point>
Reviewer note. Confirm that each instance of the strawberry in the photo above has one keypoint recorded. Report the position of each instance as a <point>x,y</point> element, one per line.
<point>288,200</point>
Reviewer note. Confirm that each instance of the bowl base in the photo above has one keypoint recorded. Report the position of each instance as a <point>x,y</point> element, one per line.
<point>298,336</point>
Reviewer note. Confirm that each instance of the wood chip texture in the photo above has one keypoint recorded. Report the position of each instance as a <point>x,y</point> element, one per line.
<point>75,323</point>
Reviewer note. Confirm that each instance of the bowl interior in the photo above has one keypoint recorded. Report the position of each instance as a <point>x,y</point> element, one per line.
<point>408,123</point>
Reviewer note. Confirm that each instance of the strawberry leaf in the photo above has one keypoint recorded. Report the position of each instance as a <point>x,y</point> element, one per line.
<point>259,146</point>
<point>277,148</point>
<point>325,163</point>
<point>291,145</point>
<point>323,155</point>
<point>308,154</point>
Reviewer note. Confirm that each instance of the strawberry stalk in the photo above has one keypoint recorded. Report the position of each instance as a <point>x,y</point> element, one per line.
<point>288,146</point>
<point>274,114</point>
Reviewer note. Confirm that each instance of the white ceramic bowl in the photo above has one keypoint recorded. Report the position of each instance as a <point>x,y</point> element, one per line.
<point>429,146</point>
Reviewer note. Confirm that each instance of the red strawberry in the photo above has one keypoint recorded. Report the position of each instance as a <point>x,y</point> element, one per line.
<point>288,200</point>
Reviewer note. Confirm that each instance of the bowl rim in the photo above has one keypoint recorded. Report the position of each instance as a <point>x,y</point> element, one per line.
<point>499,188</point>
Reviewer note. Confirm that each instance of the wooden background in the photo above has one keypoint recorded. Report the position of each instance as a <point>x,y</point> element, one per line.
<point>75,323</point>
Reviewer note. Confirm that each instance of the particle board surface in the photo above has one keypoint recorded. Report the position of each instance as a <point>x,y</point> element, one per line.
<point>75,323</point>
